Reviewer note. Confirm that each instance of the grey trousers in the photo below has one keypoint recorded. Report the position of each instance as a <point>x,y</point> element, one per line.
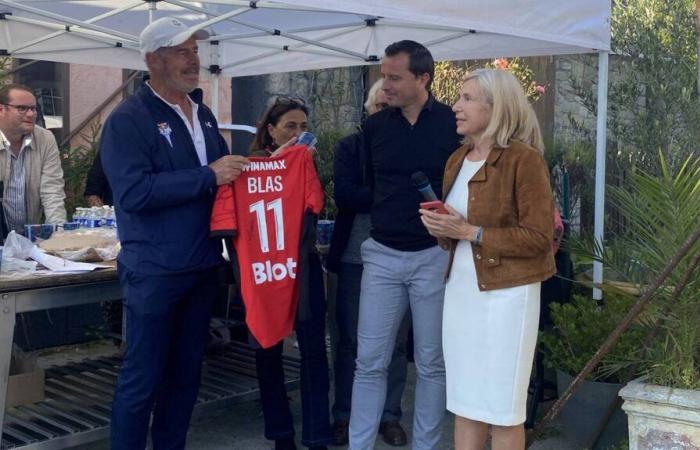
<point>392,281</point>
<point>347,309</point>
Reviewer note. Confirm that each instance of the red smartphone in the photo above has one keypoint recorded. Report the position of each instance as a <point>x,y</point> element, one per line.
<point>436,206</point>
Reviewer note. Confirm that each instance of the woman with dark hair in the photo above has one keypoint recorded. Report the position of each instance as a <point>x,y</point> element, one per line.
<point>279,128</point>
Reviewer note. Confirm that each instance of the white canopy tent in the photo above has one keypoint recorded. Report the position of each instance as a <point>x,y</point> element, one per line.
<point>263,36</point>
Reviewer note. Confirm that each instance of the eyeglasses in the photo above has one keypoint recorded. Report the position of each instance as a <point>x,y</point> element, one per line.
<point>288,100</point>
<point>23,109</point>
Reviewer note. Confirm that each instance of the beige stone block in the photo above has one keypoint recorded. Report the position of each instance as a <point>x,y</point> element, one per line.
<point>662,418</point>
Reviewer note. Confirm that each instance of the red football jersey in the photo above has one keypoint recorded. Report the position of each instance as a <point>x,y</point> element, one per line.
<point>263,209</point>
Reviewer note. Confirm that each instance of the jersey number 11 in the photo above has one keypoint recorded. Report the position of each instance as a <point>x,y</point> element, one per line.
<point>259,208</point>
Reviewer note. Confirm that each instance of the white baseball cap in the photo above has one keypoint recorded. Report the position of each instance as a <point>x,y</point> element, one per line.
<point>167,32</point>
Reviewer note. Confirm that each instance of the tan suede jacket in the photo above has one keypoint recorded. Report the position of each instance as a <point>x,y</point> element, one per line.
<point>510,196</point>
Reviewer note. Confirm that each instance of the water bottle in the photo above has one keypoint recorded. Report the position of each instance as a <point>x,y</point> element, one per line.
<point>93,218</point>
<point>114,217</point>
<point>79,216</point>
<point>108,214</point>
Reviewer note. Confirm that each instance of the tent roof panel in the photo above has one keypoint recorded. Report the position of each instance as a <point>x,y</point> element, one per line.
<point>291,35</point>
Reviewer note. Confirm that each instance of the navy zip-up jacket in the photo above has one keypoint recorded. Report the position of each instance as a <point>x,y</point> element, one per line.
<point>163,196</point>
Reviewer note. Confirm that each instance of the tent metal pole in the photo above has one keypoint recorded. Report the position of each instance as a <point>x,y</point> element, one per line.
<point>99,37</point>
<point>229,16</point>
<point>215,73</point>
<point>601,137</point>
<point>64,20</point>
<point>62,32</point>
<point>215,95</point>
<point>152,6</point>
<point>276,48</point>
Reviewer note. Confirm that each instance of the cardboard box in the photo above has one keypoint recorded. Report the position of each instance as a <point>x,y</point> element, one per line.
<point>26,383</point>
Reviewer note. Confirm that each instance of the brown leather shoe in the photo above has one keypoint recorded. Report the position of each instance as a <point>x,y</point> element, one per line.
<point>340,432</point>
<point>393,433</point>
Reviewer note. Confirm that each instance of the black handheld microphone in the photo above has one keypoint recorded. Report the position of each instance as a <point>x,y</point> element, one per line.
<point>423,185</point>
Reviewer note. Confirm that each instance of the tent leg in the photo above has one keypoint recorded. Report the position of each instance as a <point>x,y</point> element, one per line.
<point>152,7</point>
<point>215,74</point>
<point>601,136</point>
<point>215,95</point>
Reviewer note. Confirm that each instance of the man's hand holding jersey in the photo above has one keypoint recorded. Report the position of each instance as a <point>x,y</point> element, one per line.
<point>228,168</point>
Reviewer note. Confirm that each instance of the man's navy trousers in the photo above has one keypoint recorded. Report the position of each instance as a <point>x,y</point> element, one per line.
<point>167,323</point>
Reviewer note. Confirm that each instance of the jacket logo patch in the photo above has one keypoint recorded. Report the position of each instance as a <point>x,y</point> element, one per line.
<point>208,124</point>
<point>165,130</point>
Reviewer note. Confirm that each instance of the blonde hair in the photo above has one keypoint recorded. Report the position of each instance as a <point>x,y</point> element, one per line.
<point>372,94</point>
<point>512,115</point>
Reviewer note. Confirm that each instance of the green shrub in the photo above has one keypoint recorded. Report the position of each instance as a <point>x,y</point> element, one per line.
<point>76,163</point>
<point>659,212</point>
<point>324,167</point>
<point>580,327</point>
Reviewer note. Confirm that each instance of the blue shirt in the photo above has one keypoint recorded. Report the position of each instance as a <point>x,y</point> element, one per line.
<point>14,203</point>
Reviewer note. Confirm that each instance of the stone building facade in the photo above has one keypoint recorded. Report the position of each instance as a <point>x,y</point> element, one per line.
<point>334,98</point>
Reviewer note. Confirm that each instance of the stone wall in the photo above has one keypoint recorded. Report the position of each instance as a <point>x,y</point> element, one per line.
<point>334,97</point>
<point>574,76</point>
<point>576,92</point>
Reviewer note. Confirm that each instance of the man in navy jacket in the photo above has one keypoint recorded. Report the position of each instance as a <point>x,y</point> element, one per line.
<point>164,157</point>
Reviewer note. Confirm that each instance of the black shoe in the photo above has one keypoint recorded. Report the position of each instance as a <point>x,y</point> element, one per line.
<point>393,433</point>
<point>318,447</point>
<point>340,432</point>
<point>285,444</point>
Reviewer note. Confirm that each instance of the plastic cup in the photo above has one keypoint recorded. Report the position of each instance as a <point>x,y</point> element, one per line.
<point>42,231</point>
<point>324,231</point>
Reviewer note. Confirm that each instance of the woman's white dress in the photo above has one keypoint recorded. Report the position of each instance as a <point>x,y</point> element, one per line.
<point>488,337</point>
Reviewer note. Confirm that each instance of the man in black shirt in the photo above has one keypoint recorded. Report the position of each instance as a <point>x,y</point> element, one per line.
<point>403,266</point>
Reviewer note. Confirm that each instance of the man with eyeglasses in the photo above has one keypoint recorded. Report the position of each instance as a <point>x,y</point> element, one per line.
<point>30,164</point>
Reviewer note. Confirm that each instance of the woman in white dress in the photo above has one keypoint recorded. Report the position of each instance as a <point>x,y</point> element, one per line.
<point>499,231</point>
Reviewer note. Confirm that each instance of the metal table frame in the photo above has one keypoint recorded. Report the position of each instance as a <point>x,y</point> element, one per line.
<point>26,300</point>
<point>228,376</point>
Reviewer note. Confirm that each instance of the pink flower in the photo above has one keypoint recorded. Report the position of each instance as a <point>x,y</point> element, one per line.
<point>501,63</point>
<point>539,89</point>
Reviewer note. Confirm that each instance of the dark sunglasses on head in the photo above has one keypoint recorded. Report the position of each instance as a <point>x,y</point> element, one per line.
<point>288,100</point>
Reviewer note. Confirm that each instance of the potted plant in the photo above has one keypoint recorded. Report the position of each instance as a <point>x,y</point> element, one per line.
<point>578,329</point>
<point>661,211</point>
